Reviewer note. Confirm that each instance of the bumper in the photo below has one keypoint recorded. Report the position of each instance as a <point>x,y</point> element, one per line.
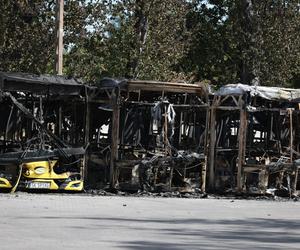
<point>44,184</point>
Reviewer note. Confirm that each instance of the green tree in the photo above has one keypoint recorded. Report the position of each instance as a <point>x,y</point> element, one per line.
<point>245,41</point>
<point>132,38</point>
<point>212,53</point>
<point>28,42</point>
<point>28,35</point>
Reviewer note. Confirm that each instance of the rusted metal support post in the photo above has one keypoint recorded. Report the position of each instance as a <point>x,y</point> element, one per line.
<point>296,179</point>
<point>41,118</point>
<point>212,147</point>
<point>87,123</point>
<point>59,127</point>
<point>114,135</point>
<point>165,129</point>
<point>242,146</point>
<point>60,34</point>
<point>290,111</point>
<point>8,124</point>
<point>181,120</point>
<point>86,136</point>
<point>204,166</point>
<point>171,178</point>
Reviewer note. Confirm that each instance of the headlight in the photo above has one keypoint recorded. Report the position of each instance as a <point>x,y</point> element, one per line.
<point>75,185</point>
<point>40,170</point>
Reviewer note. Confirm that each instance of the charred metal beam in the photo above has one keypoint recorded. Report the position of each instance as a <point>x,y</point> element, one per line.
<point>114,135</point>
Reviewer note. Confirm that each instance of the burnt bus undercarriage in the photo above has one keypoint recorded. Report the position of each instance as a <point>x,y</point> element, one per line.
<point>58,134</point>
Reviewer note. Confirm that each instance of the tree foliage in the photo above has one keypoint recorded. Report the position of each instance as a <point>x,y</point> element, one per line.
<point>27,35</point>
<point>135,38</point>
<point>220,41</point>
<point>245,41</point>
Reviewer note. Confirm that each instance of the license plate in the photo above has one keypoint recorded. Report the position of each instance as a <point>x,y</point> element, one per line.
<point>38,185</point>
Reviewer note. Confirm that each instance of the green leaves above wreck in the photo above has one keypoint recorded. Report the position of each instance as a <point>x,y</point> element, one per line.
<point>253,42</point>
<point>220,41</point>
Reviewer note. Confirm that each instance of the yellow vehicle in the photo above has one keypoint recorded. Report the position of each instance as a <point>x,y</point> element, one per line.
<point>42,170</point>
<point>42,175</point>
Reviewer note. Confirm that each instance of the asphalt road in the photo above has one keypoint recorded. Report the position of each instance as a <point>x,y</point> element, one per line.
<point>54,221</point>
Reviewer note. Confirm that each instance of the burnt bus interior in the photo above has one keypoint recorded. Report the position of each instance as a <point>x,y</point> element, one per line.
<point>150,136</point>
<point>273,145</point>
<point>256,140</point>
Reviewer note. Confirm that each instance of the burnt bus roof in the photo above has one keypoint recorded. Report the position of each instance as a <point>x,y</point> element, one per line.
<point>65,86</point>
<point>40,84</point>
<point>153,86</point>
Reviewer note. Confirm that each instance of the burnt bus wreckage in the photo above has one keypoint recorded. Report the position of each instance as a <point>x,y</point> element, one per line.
<point>254,140</point>
<point>39,147</point>
<point>61,134</point>
<point>158,136</point>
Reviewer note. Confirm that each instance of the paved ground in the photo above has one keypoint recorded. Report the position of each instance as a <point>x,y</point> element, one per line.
<point>41,221</point>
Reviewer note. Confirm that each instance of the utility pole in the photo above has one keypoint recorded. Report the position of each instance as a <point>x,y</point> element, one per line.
<point>60,34</point>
